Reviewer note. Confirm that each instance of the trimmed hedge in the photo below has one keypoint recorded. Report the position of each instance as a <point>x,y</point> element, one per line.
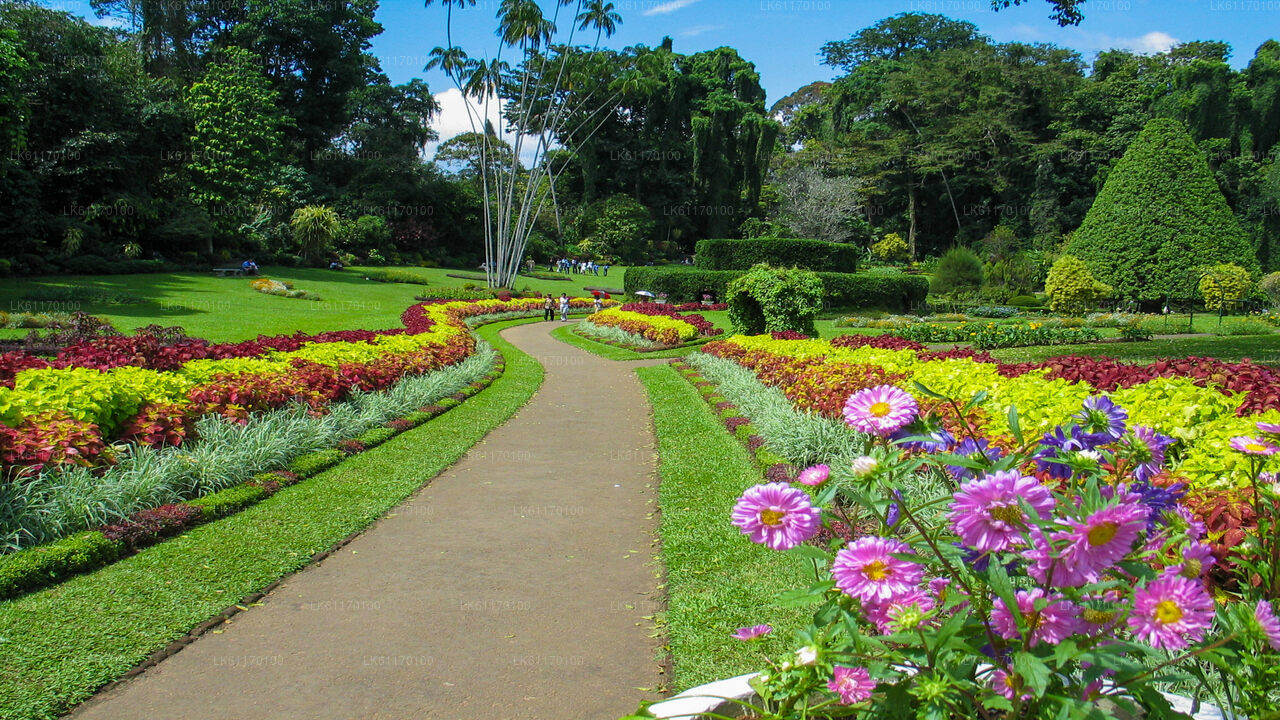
<point>47,564</point>
<point>781,252</point>
<point>843,290</point>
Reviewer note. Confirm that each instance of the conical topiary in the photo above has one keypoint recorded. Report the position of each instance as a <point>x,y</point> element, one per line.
<point>1160,219</point>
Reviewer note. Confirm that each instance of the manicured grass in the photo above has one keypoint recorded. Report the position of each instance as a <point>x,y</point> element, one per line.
<point>717,580</point>
<point>228,309</point>
<point>60,644</point>
<point>1259,348</point>
<point>565,334</point>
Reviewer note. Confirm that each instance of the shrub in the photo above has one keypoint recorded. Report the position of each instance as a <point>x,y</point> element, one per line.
<point>959,274</point>
<point>1243,326</point>
<point>1159,217</point>
<point>377,435</point>
<point>770,299</point>
<point>1023,301</point>
<point>315,462</point>
<point>454,293</point>
<point>37,567</point>
<point>1071,286</point>
<point>891,248</point>
<point>780,252</point>
<point>1227,281</point>
<point>395,275</point>
<point>147,527</point>
<point>1270,286</point>
<point>314,228</point>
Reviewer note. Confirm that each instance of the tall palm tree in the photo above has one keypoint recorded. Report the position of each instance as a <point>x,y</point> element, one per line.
<point>600,15</point>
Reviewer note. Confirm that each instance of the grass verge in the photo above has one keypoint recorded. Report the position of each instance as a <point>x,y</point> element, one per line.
<point>59,645</point>
<point>1262,348</point>
<point>565,334</point>
<point>717,580</point>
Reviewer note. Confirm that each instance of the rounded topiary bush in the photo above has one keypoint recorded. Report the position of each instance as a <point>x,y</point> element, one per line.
<point>1072,288</point>
<point>959,273</point>
<point>1224,282</point>
<point>768,299</point>
<point>1024,301</point>
<point>891,248</point>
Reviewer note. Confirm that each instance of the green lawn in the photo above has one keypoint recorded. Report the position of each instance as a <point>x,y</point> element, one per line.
<point>60,644</point>
<point>717,580</point>
<point>1259,348</point>
<point>227,309</point>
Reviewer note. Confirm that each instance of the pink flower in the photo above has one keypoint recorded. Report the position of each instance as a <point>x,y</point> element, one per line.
<point>852,684</point>
<point>867,570</point>
<point>903,611</point>
<point>815,475</point>
<point>988,515</point>
<point>776,515</point>
<point>1093,546</point>
<point>1197,558</point>
<point>1266,617</point>
<point>753,632</point>
<point>1058,620</point>
<point>880,410</point>
<point>1009,685</point>
<point>1269,428</point>
<point>1195,527</point>
<point>1253,446</point>
<point>1171,611</point>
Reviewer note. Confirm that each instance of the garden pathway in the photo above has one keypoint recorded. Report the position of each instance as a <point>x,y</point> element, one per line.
<point>515,586</point>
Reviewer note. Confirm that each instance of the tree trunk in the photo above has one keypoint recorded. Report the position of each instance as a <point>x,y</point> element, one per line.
<point>911,215</point>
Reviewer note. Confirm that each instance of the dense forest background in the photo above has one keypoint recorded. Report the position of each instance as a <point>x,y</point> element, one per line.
<point>193,136</point>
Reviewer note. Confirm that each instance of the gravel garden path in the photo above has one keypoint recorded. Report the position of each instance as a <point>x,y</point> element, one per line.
<point>516,585</point>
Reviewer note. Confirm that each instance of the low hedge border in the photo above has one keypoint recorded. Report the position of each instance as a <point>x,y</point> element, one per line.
<point>898,292</point>
<point>774,466</point>
<point>645,349</point>
<point>45,565</point>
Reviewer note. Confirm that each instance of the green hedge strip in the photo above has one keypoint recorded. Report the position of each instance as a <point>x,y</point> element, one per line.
<point>818,255</point>
<point>863,290</point>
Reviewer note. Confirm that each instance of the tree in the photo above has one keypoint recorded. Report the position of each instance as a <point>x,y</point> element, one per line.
<point>823,208</point>
<point>899,38</point>
<point>314,229</point>
<point>237,132</point>
<point>1072,288</point>
<point>620,228</point>
<point>1159,217</point>
<point>1065,12</point>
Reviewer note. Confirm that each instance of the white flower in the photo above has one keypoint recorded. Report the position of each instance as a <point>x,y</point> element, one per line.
<point>864,466</point>
<point>1093,455</point>
<point>807,655</point>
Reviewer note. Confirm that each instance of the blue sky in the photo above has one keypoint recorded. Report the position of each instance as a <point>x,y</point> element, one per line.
<point>782,37</point>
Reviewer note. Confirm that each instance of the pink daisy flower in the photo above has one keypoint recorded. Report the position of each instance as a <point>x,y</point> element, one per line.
<point>777,516</point>
<point>1253,446</point>
<point>1171,612</point>
<point>1266,617</point>
<point>880,410</point>
<point>1060,619</point>
<point>852,684</point>
<point>1094,546</point>
<point>1269,428</point>
<point>1195,527</point>
<point>753,632</point>
<point>815,475</point>
<point>1197,558</point>
<point>867,569</point>
<point>900,612</point>
<point>988,515</point>
<point>1009,685</point>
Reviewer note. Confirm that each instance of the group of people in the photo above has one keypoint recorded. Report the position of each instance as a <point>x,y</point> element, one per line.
<point>550,304</point>
<point>581,267</point>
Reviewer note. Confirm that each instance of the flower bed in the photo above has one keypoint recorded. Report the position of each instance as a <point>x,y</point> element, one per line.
<point>656,322</point>
<point>1200,402</point>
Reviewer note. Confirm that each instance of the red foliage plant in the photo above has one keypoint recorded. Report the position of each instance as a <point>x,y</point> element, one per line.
<point>149,526</point>
<point>52,439</point>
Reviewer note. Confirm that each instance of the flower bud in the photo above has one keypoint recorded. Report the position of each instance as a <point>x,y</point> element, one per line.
<point>864,466</point>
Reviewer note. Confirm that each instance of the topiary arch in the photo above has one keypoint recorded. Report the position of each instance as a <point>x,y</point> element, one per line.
<point>768,299</point>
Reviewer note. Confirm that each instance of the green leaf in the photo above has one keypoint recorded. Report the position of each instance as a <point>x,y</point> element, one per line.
<point>805,596</point>
<point>1033,670</point>
<point>811,552</point>
<point>1014,426</point>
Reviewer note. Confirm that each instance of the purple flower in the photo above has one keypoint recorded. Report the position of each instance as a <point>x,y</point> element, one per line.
<point>1157,500</point>
<point>777,516</point>
<point>1253,446</point>
<point>1094,545</point>
<point>988,514</point>
<point>1197,558</point>
<point>1269,428</point>
<point>900,612</point>
<point>1101,420</point>
<point>894,513</point>
<point>868,570</point>
<point>753,632</point>
<point>880,410</point>
<point>1146,447</point>
<point>852,684</point>
<point>978,450</point>
<point>1171,612</point>
<point>1009,685</point>
<point>938,440</point>
<point>1265,615</point>
<point>815,475</point>
<point>1059,620</point>
<point>1057,447</point>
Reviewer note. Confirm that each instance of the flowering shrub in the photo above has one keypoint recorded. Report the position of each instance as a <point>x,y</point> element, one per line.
<point>281,288</point>
<point>1051,580</point>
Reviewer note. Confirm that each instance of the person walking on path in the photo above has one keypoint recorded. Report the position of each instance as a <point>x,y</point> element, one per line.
<point>548,309</point>
<point>564,307</point>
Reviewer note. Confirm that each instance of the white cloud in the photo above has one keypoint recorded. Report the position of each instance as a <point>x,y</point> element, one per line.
<point>668,7</point>
<point>1154,42</point>
<point>697,30</point>
<point>1150,43</point>
<point>453,120</point>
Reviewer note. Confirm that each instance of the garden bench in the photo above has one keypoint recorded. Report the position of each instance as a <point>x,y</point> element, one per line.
<point>224,272</point>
